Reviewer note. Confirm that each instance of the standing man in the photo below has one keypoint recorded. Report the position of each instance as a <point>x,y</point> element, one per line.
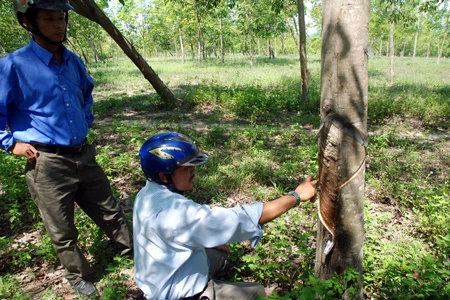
<point>180,244</point>
<point>45,100</point>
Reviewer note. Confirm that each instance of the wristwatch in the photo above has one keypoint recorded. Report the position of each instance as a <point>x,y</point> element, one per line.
<point>297,197</point>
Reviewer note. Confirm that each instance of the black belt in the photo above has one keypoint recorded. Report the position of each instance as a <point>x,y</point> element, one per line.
<point>61,149</point>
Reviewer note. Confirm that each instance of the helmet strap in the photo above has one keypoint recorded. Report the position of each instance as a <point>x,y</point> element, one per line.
<point>169,184</point>
<point>35,29</point>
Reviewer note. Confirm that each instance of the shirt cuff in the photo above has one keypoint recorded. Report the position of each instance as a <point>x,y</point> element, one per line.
<point>8,144</point>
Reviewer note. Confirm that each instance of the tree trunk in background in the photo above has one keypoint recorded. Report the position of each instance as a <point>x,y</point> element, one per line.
<point>296,36</point>
<point>344,94</point>
<point>97,55</point>
<point>192,47</point>
<point>183,52</point>
<point>251,45</point>
<point>199,36</point>
<point>391,44</point>
<point>302,51</point>
<point>442,46</point>
<point>90,10</point>
<point>2,50</point>
<point>416,34</point>
<point>222,47</point>
<point>270,49</point>
<point>259,44</point>
<point>86,59</point>
<point>175,46</point>
<point>74,50</point>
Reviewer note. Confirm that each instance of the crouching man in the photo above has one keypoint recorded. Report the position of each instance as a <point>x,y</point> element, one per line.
<point>180,244</point>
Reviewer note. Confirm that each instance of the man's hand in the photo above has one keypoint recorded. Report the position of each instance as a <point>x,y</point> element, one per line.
<point>307,190</point>
<point>275,208</point>
<point>24,149</point>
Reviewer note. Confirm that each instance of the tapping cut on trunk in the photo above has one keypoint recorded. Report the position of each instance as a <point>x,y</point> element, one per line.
<point>331,135</point>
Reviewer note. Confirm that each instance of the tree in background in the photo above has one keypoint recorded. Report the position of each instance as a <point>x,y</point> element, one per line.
<point>302,50</point>
<point>391,41</point>
<point>444,15</point>
<point>279,5</point>
<point>343,110</point>
<point>90,10</point>
<point>12,35</point>
<point>246,19</point>
<point>86,38</point>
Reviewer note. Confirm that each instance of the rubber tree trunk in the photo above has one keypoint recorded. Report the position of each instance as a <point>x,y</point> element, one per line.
<point>90,10</point>
<point>391,45</point>
<point>222,46</point>
<point>342,140</point>
<point>302,51</point>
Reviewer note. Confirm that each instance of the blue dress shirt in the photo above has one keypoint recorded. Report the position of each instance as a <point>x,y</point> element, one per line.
<point>41,101</point>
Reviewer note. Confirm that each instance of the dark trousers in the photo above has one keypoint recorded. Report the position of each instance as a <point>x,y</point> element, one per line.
<point>56,182</point>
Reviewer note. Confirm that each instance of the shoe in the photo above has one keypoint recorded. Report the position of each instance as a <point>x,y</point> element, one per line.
<point>121,250</point>
<point>85,288</point>
<point>127,252</point>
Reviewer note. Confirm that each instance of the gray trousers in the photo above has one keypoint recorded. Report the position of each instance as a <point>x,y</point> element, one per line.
<point>220,290</point>
<point>58,181</point>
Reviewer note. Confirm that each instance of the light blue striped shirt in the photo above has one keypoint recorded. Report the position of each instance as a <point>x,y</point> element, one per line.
<point>171,233</point>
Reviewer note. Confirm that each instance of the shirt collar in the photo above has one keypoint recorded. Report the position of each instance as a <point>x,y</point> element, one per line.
<point>44,54</point>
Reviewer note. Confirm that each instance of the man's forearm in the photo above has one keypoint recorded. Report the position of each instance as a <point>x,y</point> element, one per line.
<point>277,207</point>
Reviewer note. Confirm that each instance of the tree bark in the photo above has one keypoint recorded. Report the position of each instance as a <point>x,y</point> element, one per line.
<point>90,10</point>
<point>344,94</point>
<point>302,52</point>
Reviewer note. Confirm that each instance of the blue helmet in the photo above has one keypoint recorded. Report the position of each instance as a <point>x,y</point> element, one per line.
<point>166,151</point>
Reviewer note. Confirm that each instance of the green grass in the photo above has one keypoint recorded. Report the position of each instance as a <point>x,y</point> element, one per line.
<point>262,141</point>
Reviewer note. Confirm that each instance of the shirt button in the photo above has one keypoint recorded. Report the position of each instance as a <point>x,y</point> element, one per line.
<point>64,88</point>
<point>70,121</point>
<point>75,138</point>
<point>67,104</point>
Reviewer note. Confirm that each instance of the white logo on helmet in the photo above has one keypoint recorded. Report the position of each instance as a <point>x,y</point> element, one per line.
<point>164,155</point>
